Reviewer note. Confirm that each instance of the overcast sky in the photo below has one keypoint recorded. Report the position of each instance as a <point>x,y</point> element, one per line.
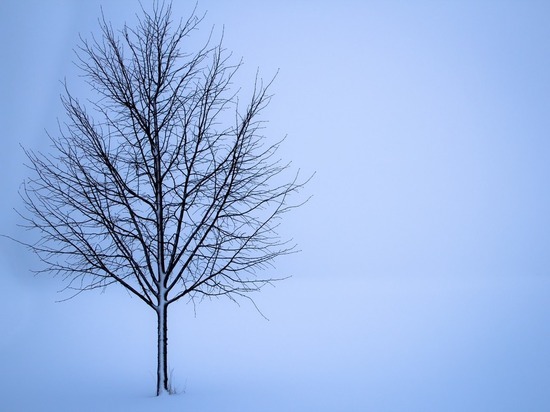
<point>423,281</point>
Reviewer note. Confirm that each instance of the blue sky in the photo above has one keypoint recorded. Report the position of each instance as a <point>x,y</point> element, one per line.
<point>423,281</point>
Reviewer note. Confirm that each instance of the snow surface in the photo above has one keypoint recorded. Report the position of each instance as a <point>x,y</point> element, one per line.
<point>380,345</point>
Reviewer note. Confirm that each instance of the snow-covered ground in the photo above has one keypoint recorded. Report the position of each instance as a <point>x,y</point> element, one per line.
<point>379,344</point>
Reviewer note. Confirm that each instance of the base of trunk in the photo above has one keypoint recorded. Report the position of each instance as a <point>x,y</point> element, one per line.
<point>163,386</point>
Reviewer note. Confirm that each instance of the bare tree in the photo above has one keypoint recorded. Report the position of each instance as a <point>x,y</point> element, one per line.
<point>164,183</point>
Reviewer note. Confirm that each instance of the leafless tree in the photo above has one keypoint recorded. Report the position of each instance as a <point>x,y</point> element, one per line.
<point>163,183</point>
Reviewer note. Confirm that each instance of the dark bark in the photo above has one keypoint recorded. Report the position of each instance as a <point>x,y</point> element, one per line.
<point>162,350</point>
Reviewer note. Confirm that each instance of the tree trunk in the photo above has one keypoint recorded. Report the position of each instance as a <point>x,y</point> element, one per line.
<point>162,347</point>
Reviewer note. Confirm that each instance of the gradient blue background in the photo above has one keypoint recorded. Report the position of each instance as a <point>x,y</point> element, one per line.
<point>423,284</point>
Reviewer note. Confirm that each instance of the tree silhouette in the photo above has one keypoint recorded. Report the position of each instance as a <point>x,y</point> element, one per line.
<point>163,183</point>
